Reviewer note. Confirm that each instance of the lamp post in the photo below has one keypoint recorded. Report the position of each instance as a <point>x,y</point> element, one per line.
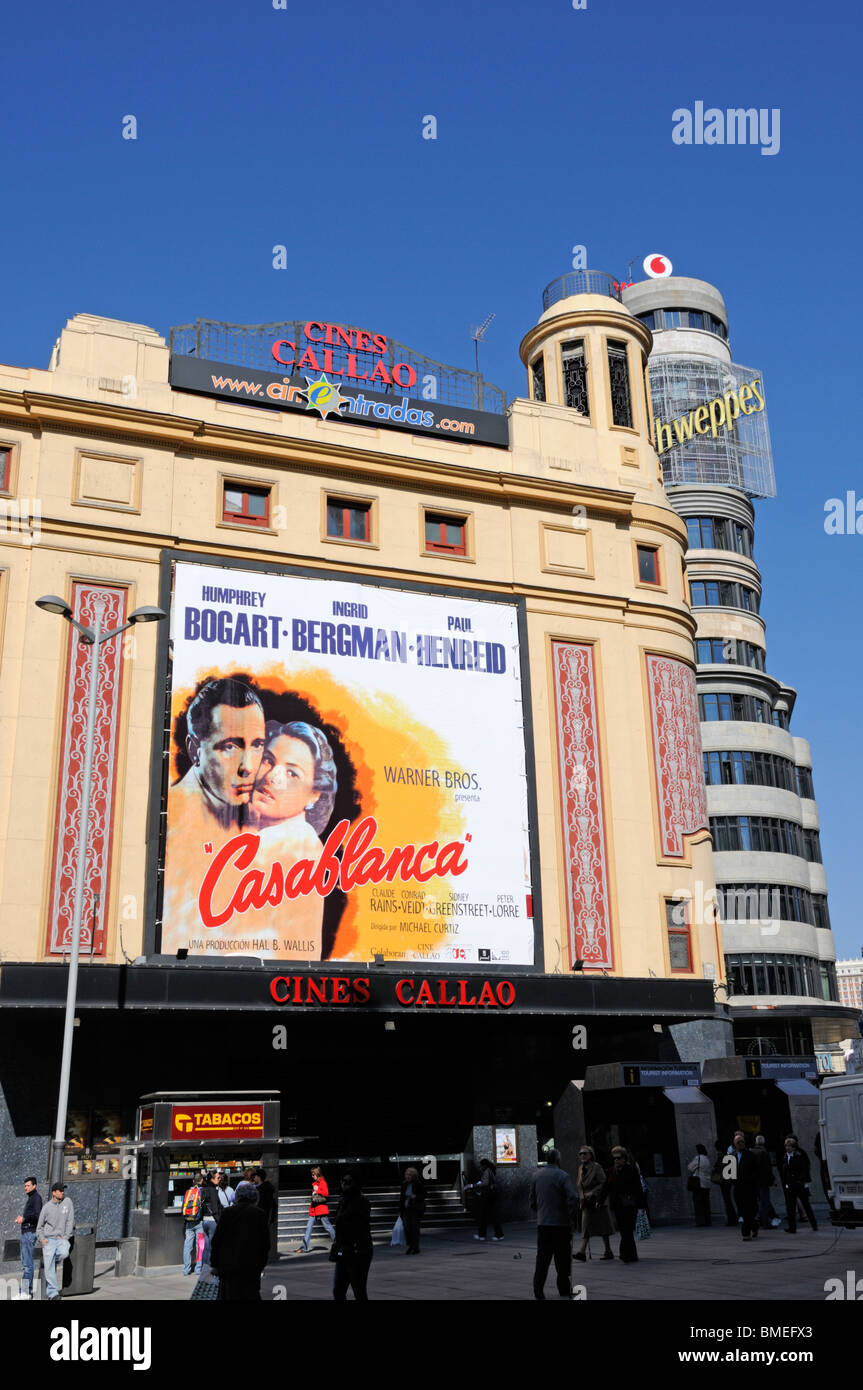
<point>94,638</point>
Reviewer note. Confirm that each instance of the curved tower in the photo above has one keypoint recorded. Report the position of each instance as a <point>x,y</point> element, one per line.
<point>711,433</point>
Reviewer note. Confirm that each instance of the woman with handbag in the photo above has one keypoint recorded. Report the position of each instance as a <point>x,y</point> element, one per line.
<point>592,1190</point>
<point>318,1211</point>
<point>627,1200</point>
<point>698,1183</point>
<point>352,1249</point>
<point>412,1203</point>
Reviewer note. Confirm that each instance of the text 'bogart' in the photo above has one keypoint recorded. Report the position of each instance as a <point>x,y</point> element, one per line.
<point>76,1343</point>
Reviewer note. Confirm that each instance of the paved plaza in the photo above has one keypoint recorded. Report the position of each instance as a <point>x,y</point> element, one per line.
<point>675,1264</point>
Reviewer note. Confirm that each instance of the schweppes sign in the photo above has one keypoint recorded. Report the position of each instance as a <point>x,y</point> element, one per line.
<point>720,413</point>
<point>218,1121</point>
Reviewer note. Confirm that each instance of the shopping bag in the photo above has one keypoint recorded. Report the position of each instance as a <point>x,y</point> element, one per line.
<point>642,1227</point>
<point>207,1287</point>
<point>200,1246</point>
<point>398,1237</point>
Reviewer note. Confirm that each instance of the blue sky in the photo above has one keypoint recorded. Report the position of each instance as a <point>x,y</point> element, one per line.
<point>303,127</point>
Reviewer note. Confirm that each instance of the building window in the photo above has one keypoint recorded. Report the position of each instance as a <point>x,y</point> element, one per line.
<point>446,534</point>
<point>250,506</point>
<point>781,974</point>
<point>649,320</point>
<point>719,533</point>
<point>618,372</point>
<point>679,945</point>
<point>348,521</point>
<point>723,593</point>
<point>537,368</point>
<point>5,469</point>
<point>804,786</point>
<point>648,564</point>
<point>575,377</point>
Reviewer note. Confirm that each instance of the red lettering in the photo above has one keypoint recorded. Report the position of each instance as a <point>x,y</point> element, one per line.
<point>318,988</point>
<point>352,369</point>
<point>486,996</point>
<point>308,359</point>
<point>364,340</point>
<point>361,835</point>
<point>243,848</point>
<point>380,343</point>
<point>425,995</point>
<point>399,996</point>
<point>370,866</point>
<point>307,330</point>
<point>505,987</point>
<point>361,990</point>
<point>346,335</point>
<point>408,370</point>
<point>449,859</point>
<point>283,342</point>
<point>362,863</point>
<point>341,994</point>
<point>463,1002</point>
<point>326,874</point>
<point>328,364</point>
<point>421,854</point>
<point>380,373</point>
<point>274,983</point>
<point>442,995</point>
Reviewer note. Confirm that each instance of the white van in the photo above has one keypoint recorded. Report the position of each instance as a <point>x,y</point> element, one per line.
<point>841,1123</point>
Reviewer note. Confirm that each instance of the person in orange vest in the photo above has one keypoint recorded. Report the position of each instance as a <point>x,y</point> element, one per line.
<point>319,1210</point>
<point>194,1238</point>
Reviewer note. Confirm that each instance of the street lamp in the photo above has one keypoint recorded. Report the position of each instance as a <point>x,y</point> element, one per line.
<point>92,637</point>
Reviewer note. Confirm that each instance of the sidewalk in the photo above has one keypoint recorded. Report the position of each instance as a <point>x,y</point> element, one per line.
<point>676,1264</point>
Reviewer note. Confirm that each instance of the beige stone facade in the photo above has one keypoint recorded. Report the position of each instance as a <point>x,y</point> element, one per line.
<point>117,467</point>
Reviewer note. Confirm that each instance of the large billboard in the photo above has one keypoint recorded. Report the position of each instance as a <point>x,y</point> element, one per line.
<point>347,772</point>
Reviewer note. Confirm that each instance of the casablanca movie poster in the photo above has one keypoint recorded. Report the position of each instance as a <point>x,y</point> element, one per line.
<point>347,773</point>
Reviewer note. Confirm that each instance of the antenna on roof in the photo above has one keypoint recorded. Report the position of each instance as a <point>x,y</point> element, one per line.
<point>478,333</point>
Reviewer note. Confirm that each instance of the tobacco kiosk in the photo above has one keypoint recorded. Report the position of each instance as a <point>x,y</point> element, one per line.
<point>179,1133</point>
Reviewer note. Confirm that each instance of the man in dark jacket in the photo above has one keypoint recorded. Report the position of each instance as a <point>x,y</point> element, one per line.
<point>352,1249</point>
<point>241,1247</point>
<point>555,1201</point>
<point>211,1211</point>
<point>28,1221</point>
<point>269,1203</point>
<point>746,1187</point>
<point>795,1176</point>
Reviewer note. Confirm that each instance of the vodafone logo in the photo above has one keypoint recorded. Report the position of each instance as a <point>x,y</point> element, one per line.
<point>656,266</point>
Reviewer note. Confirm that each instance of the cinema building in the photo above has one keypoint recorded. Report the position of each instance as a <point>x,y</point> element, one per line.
<point>778,942</point>
<point>392,815</point>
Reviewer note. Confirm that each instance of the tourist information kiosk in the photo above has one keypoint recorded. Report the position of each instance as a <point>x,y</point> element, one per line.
<point>180,1133</point>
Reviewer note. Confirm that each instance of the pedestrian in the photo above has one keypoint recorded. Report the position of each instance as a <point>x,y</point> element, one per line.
<point>746,1187</point>
<point>726,1184</point>
<point>766,1180</point>
<point>698,1184</point>
<point>592,1185</point>
<point>194,1239</point>
<point>555,1201</point>
<point>823,1171</point>
<point>28,1221</point>
<point>352,1248</point>
<point>627,1198</point>
<point>319,1210</point>
<point>54,1229</point>
<point>226,1192</point>
<point>211,1210</point>
<point>241,1247</point>
<point>795,1176</point>
<point>268,1201</point>
<point>412,1202</point>
<point>488,1201</point>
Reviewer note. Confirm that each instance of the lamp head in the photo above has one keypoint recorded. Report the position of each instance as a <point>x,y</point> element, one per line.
<point>50,603</point>
<point>147,615</point>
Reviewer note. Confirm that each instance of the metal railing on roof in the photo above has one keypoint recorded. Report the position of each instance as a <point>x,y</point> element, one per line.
<point>580,282</point>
